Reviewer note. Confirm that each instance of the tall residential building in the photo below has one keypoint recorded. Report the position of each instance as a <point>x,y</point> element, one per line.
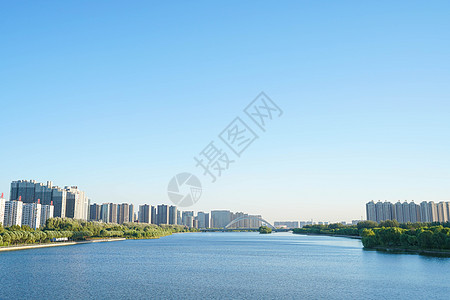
<point>131,213</point>
<point>288,224</point>
<point>245,223</point>
<point>77,204</point>
<point>105,212</point>
<point>31,191</point>
<point>173,215</point>
<point>123,213</point>
<point>189,220</point>
<point>414,213</point>
<point>220,218</point>
<point>31,215</point>
<point>163,214</point>
<point>94,212</point>
<point>203,219</point>
<point>13,212</point>
<point>154,215</point>
<point>255,222</point>
<point>2,209</point>
<point>388,211</point>
<point>379,208</point>
<point>428,211</point>
<point>185,215</point>
<point>144,215</point>
<point>59,202</point>
<point>113,213</point>
<point>448,211</point>
<point>407,212</point>
<point>406,216</point>
<point>398,212</point>
<point>442,212</point>
<point>371,212</point>
<point>46,212</point>
<point>179,217</point>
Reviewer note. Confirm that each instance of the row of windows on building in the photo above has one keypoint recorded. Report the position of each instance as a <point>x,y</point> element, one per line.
<point>68,202</point>
<point>18,213</point>
<point>404,212</point>
<point>165,214</point>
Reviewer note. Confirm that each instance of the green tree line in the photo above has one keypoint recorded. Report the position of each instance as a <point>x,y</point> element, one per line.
<point>389,234</point>
<point>77,230</point>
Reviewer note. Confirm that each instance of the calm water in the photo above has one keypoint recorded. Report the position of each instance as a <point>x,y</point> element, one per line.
<point>222,266</point>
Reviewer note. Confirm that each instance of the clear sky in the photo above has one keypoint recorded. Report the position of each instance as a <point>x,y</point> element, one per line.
<point>118,96</point>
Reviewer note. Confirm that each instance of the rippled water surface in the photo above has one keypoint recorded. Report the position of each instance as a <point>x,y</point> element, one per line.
<point>222,266</point>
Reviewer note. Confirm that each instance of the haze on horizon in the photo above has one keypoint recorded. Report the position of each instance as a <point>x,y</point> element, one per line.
<point>118,97</point>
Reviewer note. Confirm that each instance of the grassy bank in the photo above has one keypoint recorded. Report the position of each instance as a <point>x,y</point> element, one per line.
<point>55,244</point>
<point>424,238</point>
<point>76,230</point>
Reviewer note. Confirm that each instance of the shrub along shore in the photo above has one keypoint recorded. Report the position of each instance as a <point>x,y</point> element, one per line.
<point>77,230</point>
<point>433,238</point>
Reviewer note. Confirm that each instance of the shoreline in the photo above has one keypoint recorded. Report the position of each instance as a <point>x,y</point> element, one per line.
<point>415,251</point>
<point>47,245</point>
<point>357,237</point>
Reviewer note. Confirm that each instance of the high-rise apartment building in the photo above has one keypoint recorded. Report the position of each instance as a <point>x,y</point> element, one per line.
<point>31,191</point>
<point>13,212</point>
<point>163,214</point>
<point>442,212</point>
<point>154,215</point>
<point>123,213</point>
<point>220,218</point>
<point>2,209</point>
<point>105,212</point>
<point>203,219</point>
<point>144,215</point>
<point>179,217</point>
<point>94,212</point>
<point>77,204</point>
<point>185,215</point>
<point>288,224</point>
<point>173,215</point>
<point>47,212</point>
<point>371,211</point>
<point>113,213</point>
<point>131,213</point>
<point>31,215</point>
<point>405,212</point>
<point>189,220</point>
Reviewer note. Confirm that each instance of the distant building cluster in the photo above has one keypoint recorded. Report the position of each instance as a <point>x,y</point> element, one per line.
<point>32,203</point>
<point>68,202</point>
<point>404,212</point>
<point>298,224</point>
<point>15,212</point>
<point>164,214</point>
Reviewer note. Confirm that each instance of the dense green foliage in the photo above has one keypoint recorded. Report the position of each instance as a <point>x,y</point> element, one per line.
<point>332,229</point>
<point>424,238</point>
<point>77,230</point>
<point>389,234</point>
<point>265,229</point>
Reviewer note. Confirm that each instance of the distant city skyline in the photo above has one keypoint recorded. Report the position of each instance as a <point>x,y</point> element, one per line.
<point>45,194</point>
<point>118,98</point>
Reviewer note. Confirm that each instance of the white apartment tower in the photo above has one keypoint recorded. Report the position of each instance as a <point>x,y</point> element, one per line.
<point>31,215</point>
<point>2,209</point>
<point>47,212</point>
<point>13,213</point>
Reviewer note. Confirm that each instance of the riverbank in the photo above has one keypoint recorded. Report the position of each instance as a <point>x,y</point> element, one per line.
<point>413,251</point>
<point>335,235</point>
<point>46,245</point>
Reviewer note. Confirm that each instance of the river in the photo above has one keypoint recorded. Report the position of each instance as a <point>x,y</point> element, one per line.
<point>240,265</point>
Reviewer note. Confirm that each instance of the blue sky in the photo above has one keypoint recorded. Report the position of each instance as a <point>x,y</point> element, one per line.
<point>117,97</point>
